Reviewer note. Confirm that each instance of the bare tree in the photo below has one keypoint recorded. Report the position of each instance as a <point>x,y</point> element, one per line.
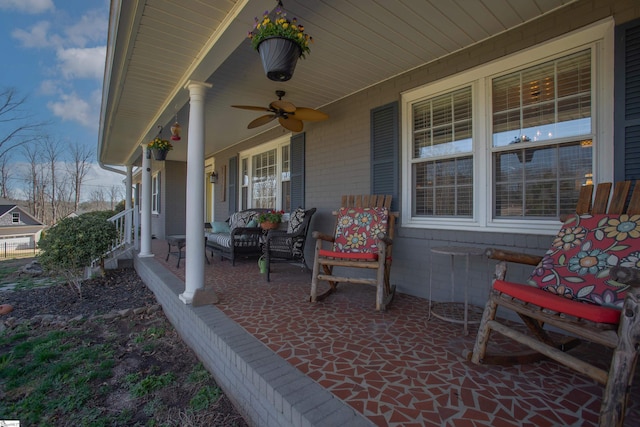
<point>35,178</point>
<point>5,175</point>
<point>114,195</point>
<point>52,152</point>
<point>15,117</point>
<point>78,169</point>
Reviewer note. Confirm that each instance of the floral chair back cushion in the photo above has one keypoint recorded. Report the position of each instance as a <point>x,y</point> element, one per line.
<point>357,229</point>
<point>577,264</point>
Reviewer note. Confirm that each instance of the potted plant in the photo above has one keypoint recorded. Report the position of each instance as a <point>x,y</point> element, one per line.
<point>160,148</point>
<point>280,42</point>
<point>270,220</point>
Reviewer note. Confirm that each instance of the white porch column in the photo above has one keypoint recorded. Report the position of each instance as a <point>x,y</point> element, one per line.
<point>127,204</point>
<point>194,265</point>
<point>145,205</point>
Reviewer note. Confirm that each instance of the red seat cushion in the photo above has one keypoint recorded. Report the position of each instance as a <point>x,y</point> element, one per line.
<point>577,264</point>
<point>356,256</point>
<point>537,296</point>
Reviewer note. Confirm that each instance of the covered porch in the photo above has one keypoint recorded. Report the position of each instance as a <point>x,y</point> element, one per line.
<point>285,361</point>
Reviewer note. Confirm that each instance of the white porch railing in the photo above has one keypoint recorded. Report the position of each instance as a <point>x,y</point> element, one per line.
<point>124,226</point>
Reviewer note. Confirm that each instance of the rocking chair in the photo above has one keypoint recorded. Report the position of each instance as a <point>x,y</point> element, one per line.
<point>362,239</point>
<point>586,284</point>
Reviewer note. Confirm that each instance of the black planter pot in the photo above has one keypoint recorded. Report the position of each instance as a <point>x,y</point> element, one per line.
<point>160,154</point>
<point>279,57</point>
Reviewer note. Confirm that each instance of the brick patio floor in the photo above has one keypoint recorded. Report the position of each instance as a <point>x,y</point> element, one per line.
<point>397,368</point>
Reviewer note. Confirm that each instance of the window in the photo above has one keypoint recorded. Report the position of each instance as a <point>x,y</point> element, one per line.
<point>548,109</point>
<point>155,193</point>
<point>265,175</point>
<point>442,165</point>
<point>503,147</point>
<point>15,217</point>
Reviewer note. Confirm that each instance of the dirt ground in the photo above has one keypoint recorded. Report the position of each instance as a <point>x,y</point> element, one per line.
<point>144,343</point>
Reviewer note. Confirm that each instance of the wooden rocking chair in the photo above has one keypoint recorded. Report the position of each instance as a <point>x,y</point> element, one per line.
<point>362,239</point>
<point>579,286</point>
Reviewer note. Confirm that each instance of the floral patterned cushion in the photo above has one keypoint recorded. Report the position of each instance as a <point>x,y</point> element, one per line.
<point>577,264</point>
<point>357,229</point>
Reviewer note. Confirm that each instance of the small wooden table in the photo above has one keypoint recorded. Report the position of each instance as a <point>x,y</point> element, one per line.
<point>449,311</point>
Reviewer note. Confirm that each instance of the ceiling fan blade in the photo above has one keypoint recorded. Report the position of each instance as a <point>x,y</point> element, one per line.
<point>285,106</point>
<point>262,120</point>
<point>290,123</point>
<point>309,114</point>
<point>251,107</point>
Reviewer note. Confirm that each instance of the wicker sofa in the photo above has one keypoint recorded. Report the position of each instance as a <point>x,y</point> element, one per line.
<point>240,235</point>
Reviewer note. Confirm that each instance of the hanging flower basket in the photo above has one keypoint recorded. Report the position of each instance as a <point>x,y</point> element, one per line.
<point>159,154</point>
<point>280,42</point>
<point>279,57</point>
<point>160,148</point>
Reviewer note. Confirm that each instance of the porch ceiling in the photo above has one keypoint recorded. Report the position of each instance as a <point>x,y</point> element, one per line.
<point>156,46</point>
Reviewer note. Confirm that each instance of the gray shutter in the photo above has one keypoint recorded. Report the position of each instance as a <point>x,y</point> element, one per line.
<point>296,152</point>
<point>232,188</point>
<point>384,151</point>
<point>627,101</point>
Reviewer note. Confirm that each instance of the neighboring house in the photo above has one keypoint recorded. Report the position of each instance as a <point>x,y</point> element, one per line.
<point>482,118</point>
<point>18,229</point>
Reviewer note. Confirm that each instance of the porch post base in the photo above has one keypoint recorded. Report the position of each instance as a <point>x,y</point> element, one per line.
<point>186,297</point>
<point>204,296</point>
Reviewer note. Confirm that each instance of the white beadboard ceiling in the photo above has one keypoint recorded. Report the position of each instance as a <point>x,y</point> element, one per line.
<point>156,46</point>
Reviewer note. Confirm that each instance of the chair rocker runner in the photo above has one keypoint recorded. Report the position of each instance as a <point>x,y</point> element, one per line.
<point>362,239</point>
<point>586,284</point>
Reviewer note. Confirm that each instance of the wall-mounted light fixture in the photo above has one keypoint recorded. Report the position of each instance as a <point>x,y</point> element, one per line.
<point>213,178</point>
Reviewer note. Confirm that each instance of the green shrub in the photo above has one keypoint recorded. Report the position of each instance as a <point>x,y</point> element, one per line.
<point>74,243</point>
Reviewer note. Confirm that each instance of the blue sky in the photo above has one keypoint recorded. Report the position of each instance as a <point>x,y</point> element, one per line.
<point>54,53</point>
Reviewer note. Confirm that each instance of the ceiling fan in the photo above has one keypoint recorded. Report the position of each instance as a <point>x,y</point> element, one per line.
<point>289,116</point>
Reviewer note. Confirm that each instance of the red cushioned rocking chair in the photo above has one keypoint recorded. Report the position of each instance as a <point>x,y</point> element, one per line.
<point>586,284</point>
<point>362,239</point>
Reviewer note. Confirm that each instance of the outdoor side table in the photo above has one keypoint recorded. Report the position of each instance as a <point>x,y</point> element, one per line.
<point>450,311</point>
<point>178,241</point>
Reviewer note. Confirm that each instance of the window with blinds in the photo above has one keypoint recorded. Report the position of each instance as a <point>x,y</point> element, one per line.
<point>442,160</point>
<point>264,180</point>
<point>155,193</point>
<point>542,137</point>
<point>285,180</point>
<point>266,176</point>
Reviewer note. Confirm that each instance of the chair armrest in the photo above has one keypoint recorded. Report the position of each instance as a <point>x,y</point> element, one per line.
<point>627,275</point>
<point>385,238</point>
<point>509,256</point>
<point>321,236</point>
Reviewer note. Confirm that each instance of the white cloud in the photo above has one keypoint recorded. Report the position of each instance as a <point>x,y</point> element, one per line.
<point>36,37</point>
<point>49,87</point>
<point>27,6</point>
<point>73,108</point>
<point>92,27</point>
<point>82,62</point>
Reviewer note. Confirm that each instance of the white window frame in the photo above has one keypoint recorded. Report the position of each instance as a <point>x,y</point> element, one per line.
<point>276,144</point>
<point>600,38</point>
<point>15,217</point>
<point>155,197</point>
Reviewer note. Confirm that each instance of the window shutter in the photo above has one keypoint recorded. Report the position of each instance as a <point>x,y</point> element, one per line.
<point>384,151</point>
<point>297,170</point>
<point>627,101</point>
<point>232,189</point>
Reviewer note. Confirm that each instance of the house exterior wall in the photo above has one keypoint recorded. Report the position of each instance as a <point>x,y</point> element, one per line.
<point>175,197</point>
<point>171,218</point>
<point>347,132</point>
